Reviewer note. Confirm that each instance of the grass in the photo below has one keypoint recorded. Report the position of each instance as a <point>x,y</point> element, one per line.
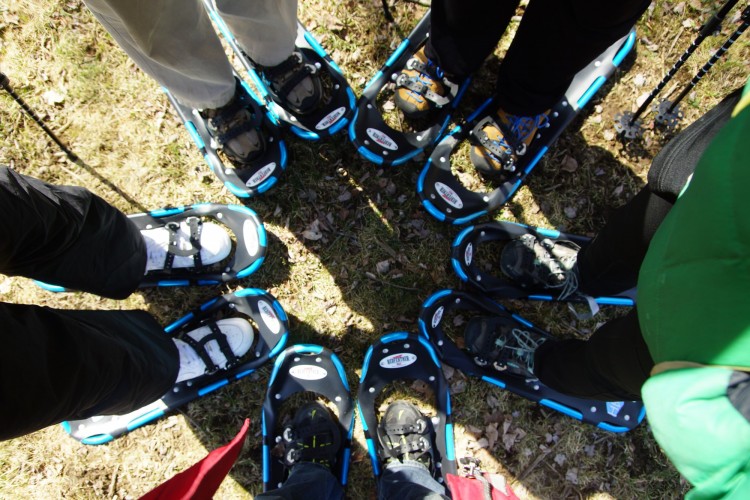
<point>138,156</point>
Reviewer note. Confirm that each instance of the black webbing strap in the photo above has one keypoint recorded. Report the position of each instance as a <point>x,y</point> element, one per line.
<point>196,226</point>
<point>199,346</point>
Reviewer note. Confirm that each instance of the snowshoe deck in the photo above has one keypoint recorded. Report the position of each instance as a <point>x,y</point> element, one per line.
<point>465,264</point>
<point>613,416</point>
<point>447,199</point>
<point>337,108</point>
<point>249,249</point>
<point>272,327</point>
<point>305,368</point>
<point>373,138</point>
<point>406,356</point>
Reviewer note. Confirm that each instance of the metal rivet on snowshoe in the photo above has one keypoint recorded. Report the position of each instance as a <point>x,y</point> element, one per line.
<point>593,409</point>
<point>385,350</point>
<point>597,63</point>
<point>626,417</point>
<point>486,199</point>
<point>318,360</point>
<point>440,342</point>
<point>432,378</point>
<point>296,359</point>
<point>406,346</point>
<point>277,396</point>
<point>479,278</point>
<point>371,389</point>
<point>337,398</point>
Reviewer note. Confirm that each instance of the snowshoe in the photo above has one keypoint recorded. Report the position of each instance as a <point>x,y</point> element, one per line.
<point>446,198</point>
<point>191,238</point>
<point>405,356</point>
<point>334,105</point>
<point>500,283</point>
<point>382,144</point>
<point>312,369</point>
<point>257,306</point>
<point>496,328</point>
<point>258,174</point>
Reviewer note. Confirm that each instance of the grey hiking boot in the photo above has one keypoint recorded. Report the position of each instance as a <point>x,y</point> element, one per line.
<point>500,342</point>
<point>235,128</point>
<point>295,84</point>
<point>405,434</point>
<point>542,264</point>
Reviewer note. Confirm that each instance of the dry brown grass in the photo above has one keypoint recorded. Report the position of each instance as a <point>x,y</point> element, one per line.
<point>137,156</point>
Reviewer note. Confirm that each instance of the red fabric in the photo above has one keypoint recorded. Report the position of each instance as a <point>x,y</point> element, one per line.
<point>469,488</point>
<point>202,479</point>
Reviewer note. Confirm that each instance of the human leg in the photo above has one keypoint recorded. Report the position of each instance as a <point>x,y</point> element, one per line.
<point>554,41</point>
<point>60,365</point>
<point>409,480</point>
<point>68,236</point>
<point>462,35</point>
<point>307,480</point>
<point>174,42</point>
<point>612,365</point>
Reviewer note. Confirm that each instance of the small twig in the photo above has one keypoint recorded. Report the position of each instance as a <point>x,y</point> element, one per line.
<point>536,462</point>
<point>375,278</point>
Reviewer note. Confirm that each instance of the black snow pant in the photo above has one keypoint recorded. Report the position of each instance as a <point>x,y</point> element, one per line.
<point>60,365</point>
<point>555,40</point>
<point>615,362</point>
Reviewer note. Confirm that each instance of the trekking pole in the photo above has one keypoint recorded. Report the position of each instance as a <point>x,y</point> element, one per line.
<point>669,116</point>
<point>628,122</point>
<point>5,84</point>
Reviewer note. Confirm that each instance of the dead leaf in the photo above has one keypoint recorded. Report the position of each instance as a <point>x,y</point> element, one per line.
<point>383,267</point>
<point>572,475</point>
<point>569,164</point>
<point>492,434</point>
<point>570,212</point>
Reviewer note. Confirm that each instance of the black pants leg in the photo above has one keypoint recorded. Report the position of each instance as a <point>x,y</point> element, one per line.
<point>555,40</point>
<point>57,365</point>
<point>67,236</point>
<point>615,362</point>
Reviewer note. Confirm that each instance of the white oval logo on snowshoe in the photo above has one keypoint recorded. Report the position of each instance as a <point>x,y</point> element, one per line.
<point>308,372</point>
<point>449,195</point>
<point>399,360</point>
<point>261,175</point>
<point>469,254</point>
<point>250,237</point>
<point>437,316</point>
<point>268,315</point>
<point>330,118</point>
<point>382,139</point>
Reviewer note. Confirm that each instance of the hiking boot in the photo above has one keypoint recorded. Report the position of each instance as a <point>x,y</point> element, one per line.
<point>313,436</point>
<point>405,434</point>
<point>235,128</point>
<point>500,342</point>
<point>502,139</point>
<point>294,84</point>
<point>421,87</point>
<point>543,264</point>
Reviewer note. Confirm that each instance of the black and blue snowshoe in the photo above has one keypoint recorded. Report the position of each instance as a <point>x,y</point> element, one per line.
<point>446,198</point>
<point>373,138</point>
<point>483,340</point>
<point>254,176</point>
<point>270,330</point>
<point>245,256</point>
<point>335,105</point>
<point>316,435</point>
<point>404,356</point>
<point>495,282</point>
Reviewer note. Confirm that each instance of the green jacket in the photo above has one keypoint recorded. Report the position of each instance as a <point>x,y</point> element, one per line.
<point>694,311</point>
